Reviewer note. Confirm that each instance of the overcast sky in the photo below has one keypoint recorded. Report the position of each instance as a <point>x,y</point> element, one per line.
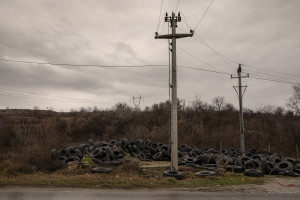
<point>261,34</point>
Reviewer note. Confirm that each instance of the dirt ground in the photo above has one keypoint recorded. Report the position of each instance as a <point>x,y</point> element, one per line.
<point>272,185</point>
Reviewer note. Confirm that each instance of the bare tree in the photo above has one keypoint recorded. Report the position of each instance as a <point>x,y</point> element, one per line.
<point>294,101</point>
<point>218,103</point>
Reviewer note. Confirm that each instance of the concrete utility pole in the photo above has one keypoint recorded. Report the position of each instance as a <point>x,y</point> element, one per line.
<point>240,95</point>
<point>174,144</point>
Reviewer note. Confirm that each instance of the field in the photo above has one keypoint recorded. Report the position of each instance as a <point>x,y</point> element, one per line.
<point>130,175</point>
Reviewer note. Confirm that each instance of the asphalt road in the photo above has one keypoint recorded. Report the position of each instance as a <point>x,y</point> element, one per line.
<point>85,194</point>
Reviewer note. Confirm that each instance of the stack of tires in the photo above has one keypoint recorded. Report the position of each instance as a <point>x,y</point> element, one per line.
<point>252,163</point>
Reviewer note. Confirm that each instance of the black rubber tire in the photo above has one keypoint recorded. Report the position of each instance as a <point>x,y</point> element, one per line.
<point>205,173</point>
<point>201,158</point>
<point>100,144</point>
<point>69,151</point>
<point>79,155</point>
<point>190,160</point>
<point>96,160</point>
<point>253,173</point>
<point>154,146</point>
<point>157,156</point>
<point>101,170</point>
<point>275,159</point>
<point>112,143</point>
<point>292,174</point>
<point>277,171</point>
<point>98,153</point>
<point>297,166</point>
<point>209,165</point>
<point>222,161</point>
<point>147,142</point>
<point>181,162</point>
<point>110,153</point>
<point>291,160</point>
<point>135,149</point>
<point>238,169</point>
<point>297,171</point>
<point>240,160</point>
<point>70,159</point>
<point>84,148</point>
<point>264,166</point>
<point>190,164</point>
<point>284,165</point>
<point>258,157</point>
<point>142,156</point>
<point>175,174</point>
<point>165,148</point>
<point>252,164</point>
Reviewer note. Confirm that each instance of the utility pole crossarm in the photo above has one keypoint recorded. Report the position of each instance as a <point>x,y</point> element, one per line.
<point>170,36</point>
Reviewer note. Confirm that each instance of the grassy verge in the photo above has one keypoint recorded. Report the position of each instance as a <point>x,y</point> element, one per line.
<point>126,176</point>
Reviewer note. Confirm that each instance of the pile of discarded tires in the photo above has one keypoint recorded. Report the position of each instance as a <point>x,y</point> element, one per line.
<point>252,163</point>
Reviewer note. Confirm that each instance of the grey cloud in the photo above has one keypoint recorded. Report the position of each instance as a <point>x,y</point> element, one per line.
<point>260,33</point>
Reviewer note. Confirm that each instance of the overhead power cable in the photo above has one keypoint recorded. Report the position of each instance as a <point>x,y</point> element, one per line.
<point>272,71</point>
<point>198,58</point>
<point>202,42</point>
<point>224,58</point>
<point>43,95</point>
<point>159,19</point>
<point>177,5</point>
<point>206,70</point>
<point>185,21</point>
<point>274,80</point>
<point>225,73</point>
<point>139,66</point>
<point>281,77</point>
<point>203,15</point>
<point>80,65</point>
<point>46,99</point>
<point>231,62</point>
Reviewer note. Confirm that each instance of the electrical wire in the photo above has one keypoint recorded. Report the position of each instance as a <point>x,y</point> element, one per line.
<point>163,28</point>
<point>159,19</point>
<point>206,70</point>
<point>272,71</point>
<point>274,80</point>
<point>225,73</point>
<point>177,5</point>
<point>46,99</point>
<point>224,58</point>
<point>204,14</point>
<point>42,95</point>
<point>207,45</point>
<point>229,61</point>
<point>257,72</point>
<point>185,21</point>
<point>198,58</point>
<point>80,65</point>
<point>139,66</point>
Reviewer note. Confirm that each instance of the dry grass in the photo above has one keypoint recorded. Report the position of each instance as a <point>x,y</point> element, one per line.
<point>128,175</point>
